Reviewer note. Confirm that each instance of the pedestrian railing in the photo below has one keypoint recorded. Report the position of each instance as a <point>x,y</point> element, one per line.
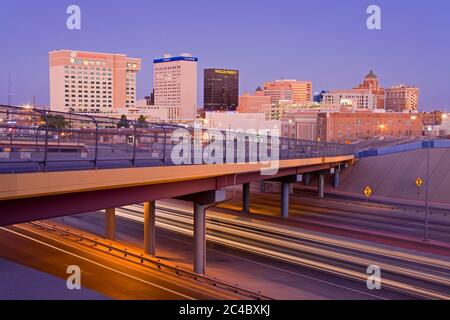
<point>41,140</point>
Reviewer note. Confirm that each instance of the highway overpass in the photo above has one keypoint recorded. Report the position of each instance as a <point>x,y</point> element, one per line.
<point>55,164</point>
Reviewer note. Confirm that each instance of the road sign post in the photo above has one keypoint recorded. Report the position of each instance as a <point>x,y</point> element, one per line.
<point>419,183</point>
<point>368,192</point>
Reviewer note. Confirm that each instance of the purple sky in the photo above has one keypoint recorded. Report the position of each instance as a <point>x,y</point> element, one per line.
<point>324,41</point>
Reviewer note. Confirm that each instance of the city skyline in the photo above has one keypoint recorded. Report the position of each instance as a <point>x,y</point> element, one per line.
<point>224,159</point>
<point>331,53</point>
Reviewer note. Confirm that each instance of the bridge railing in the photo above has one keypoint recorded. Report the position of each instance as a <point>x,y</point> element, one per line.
<point>33,140</point>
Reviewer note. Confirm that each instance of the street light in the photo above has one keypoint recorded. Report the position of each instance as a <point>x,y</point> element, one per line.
<point>427,213</point>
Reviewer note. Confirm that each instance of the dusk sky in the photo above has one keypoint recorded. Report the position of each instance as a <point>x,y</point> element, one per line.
<point>324,41</point>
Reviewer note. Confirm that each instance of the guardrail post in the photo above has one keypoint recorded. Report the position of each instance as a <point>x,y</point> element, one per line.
<point>96,143</point>
<point>134,145</point>
<point>45,142</point>
<point>164,145</point>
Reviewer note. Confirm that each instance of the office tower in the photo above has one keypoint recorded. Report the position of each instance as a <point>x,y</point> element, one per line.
<point>221,90</point>
<point>90,82</point>
<point>176,84</point>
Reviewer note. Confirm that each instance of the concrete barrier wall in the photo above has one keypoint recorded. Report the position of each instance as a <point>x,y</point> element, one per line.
<point>394,175</point>
<point>435,144</point>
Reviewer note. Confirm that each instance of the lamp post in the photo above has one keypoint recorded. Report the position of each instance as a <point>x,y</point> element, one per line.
<point>427,191</point>
<point>382,127</point>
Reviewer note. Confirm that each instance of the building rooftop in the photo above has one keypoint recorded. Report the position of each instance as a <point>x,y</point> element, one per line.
<point>371,75</point>
<point>179,58</point>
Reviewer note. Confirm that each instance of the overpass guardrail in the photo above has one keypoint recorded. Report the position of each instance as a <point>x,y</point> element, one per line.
<point>39,140</point>
<point>416,145</point>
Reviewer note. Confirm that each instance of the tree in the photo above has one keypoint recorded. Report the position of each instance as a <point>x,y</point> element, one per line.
<point>141,122</point>
<point>54,122</point>
<point>123,122</point>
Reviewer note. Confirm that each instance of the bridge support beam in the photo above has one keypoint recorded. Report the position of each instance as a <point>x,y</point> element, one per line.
<point>321,185</point>
<point>110,224</point>
<point>307,179</point>
<point>285,186</point>
<point>246,198</point>
<point>199,238</point>
<point>286,183</point>
<point>202,201</point>
<point>150,228</point>
<point>337,173</point>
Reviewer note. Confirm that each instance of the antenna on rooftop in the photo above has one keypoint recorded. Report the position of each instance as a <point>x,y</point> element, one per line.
<point>9,90</point>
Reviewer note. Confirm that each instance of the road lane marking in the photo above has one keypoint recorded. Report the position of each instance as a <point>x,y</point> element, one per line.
<point>138,219</point>
<point>91,261</point>
<point>268,227</point>
<point>315,265</point>
<point>343,244</point>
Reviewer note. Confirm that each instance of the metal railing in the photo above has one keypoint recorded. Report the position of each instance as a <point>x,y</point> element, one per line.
<point>40,140</point>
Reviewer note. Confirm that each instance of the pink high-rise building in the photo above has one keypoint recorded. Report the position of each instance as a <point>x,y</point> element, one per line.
<point>256,103</point>
<point>90,82</point>
<point>299,92</point>
<point>402,98</point>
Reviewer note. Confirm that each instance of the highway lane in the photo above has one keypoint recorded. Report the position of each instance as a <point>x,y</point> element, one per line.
<point>282,279</point>
<point>112,276</point>
<point>305,207</point>
<point>277,279</point>
<point>400,218</point>
<point>407,272</point>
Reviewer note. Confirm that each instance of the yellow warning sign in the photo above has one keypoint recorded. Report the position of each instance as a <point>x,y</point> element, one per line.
<point>367,191</point>
<point>419,182</point>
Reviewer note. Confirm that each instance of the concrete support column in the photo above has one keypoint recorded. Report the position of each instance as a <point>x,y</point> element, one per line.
<point>307,179</point>
<point>110,224</point>
<point>201,202</point>
<point>262,187</point>
<point>246,198</point>
<point>199,238</point>
<point>337,173</point>
<point>321,184</point>
<point>285,199</point>
<point>150,227</point>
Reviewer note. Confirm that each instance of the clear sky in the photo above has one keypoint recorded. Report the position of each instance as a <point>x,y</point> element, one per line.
<point>325,41</point>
